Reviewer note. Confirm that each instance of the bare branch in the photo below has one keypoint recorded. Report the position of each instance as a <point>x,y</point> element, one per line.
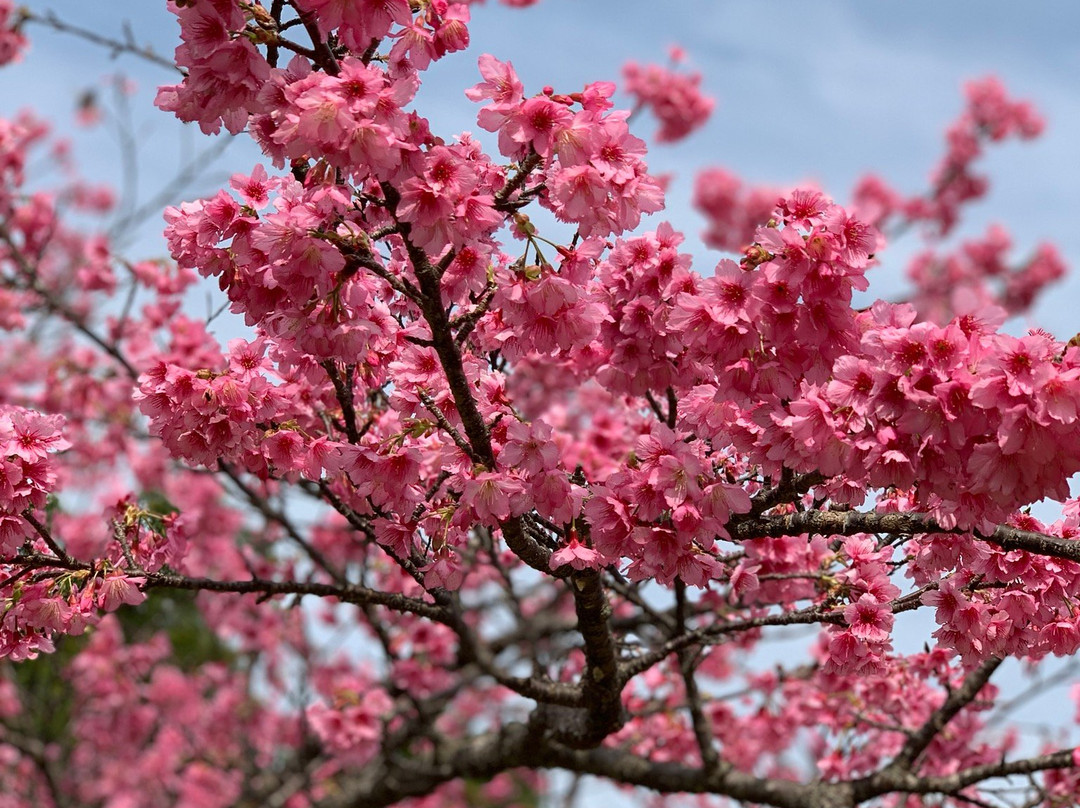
<point>346,594</point>
<point>115,46</point>
<point>703,731</point>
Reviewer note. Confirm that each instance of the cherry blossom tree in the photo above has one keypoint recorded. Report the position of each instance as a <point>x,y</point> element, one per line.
<point>497,492</point>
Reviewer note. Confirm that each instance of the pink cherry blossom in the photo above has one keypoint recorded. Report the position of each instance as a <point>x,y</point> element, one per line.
<point>470,471</point>
<point>675,99</point>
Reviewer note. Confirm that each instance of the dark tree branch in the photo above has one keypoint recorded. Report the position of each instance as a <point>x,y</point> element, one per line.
<point>346,594</point>
<point>703,731</point>
<point>514,184</point>
<point>383,783</point>
<point>355,259</point>
<point>789,489</point>
<point>846,523</point>
<point>446,426</point>
<point>712,633</point>
<point>600,681</point>
<point>949,784</point>
<point>540,690</point>
<point>467,322</point>
<point>601,684</point>
<point>449,353</point>
<point>321,54</point>
<point>344,394</point>
<point>47,537</point>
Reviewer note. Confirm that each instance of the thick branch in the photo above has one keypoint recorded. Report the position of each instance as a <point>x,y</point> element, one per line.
<point>449,353</point>
<point>385,782</point>
<point>788,489</point>
<point>950,784</point>
<point>601,684</point>
<point>846,523</point>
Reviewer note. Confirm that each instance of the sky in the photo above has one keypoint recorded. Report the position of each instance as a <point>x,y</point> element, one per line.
<point>821,92</point>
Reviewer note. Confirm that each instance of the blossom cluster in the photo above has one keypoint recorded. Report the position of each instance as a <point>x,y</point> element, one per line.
<point>593,168</point>
<point>674,98</point>
<point>206,416</point>
<point>27,473</point>
<point>31,612</point>
<point>733,210</point>
<point>666,513</point>
<point>989,601</point>
<point>978,273</point>
<point>12,41</point>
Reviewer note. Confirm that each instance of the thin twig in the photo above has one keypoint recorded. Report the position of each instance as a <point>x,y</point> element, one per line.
<point>128,45</point>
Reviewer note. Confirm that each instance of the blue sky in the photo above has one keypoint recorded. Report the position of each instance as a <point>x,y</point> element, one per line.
<point>822,92</point>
